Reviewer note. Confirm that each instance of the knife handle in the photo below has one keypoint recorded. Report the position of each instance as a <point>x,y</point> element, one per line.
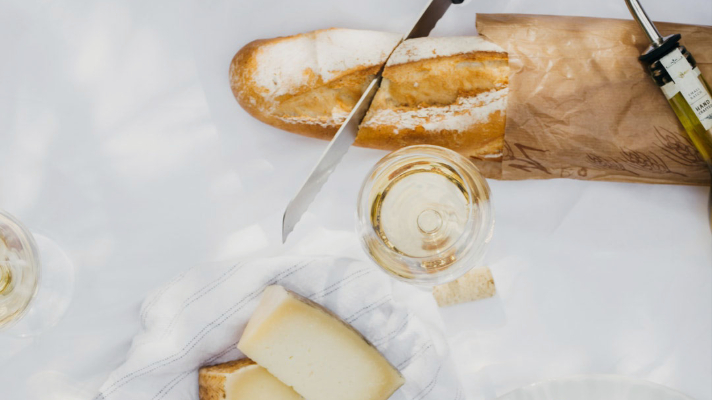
<point>457,1</point>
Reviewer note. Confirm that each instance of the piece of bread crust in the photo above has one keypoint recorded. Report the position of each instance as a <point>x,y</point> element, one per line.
<point>475,285</point>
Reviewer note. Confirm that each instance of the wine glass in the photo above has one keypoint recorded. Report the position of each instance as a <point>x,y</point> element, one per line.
<point>424,215</point>
<point>36,280</point>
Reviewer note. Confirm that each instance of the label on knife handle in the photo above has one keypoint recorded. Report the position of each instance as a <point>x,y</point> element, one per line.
<point>686,80</point>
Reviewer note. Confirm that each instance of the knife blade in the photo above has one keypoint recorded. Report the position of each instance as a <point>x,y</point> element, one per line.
<point>339,145</point>
<point>346,135</point>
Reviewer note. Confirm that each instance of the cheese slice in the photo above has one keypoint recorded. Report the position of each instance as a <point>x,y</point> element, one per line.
<point>242,380</point>
<point>308,348</point>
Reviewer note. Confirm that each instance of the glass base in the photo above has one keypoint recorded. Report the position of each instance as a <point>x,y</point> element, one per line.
<point>56,285</point>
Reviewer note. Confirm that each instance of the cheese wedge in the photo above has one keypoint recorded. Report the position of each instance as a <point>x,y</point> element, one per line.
<point>242,380</point>
<point>308,348</point>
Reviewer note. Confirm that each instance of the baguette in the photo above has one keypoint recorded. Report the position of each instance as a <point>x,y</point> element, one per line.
<point>450,92</point>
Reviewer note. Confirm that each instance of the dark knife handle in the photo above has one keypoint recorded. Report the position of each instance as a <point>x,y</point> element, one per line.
<point>457,1</point>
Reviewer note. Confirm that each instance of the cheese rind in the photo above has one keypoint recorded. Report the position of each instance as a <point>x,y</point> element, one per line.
<point>242,380</point>
<point>311,350</point>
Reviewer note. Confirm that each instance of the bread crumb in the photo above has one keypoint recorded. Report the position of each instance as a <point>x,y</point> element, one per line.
<point>475,285</point>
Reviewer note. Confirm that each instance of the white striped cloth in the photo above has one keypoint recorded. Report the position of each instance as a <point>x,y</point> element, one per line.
<point>197,319</point>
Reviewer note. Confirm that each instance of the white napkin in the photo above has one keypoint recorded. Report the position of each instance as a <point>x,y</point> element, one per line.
<point>197,319</point>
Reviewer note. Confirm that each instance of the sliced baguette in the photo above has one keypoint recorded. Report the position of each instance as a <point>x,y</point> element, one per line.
<point>450,92</point>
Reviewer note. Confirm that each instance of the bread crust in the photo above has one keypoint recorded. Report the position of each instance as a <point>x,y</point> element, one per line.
<point>441,83</point>
<point>242,67</point>
<point>344,91</point>
<point>422,100</point>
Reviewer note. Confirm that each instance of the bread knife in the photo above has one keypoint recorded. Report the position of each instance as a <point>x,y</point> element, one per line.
<point>346,135</point>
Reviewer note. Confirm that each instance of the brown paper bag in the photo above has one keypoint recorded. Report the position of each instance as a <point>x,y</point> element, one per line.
<point>582,106</point>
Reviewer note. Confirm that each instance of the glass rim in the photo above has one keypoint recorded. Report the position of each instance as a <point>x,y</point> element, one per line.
<point>472,240</point>
<point>27,237</point>
<point>386,161</point>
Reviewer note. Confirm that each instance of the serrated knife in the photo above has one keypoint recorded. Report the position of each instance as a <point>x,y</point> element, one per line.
<point>346,135</point>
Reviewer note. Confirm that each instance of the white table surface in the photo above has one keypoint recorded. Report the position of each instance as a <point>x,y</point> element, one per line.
<point>120,139</point>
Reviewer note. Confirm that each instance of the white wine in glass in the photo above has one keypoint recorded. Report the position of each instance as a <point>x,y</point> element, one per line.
<point>31,302</point>
<point>19,269</point>
<point>424,215</point>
